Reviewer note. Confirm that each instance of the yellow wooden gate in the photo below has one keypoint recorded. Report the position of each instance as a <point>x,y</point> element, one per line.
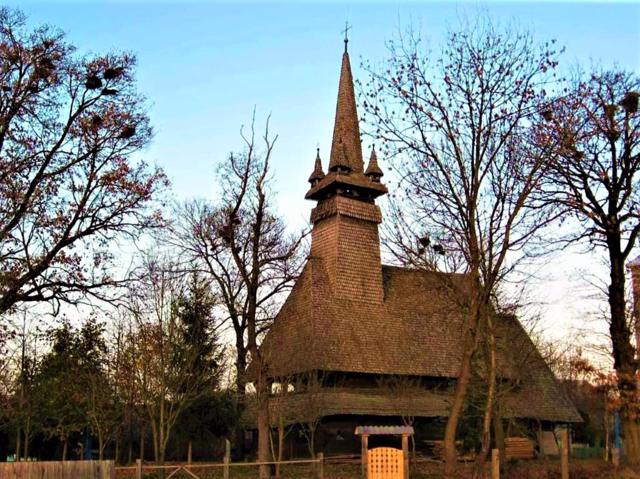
<point>385,463</point>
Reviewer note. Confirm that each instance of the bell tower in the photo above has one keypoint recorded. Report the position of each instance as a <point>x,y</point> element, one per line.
<point>346,218</point>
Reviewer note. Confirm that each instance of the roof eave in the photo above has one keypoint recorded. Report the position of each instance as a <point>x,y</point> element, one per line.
<point>331,182</point>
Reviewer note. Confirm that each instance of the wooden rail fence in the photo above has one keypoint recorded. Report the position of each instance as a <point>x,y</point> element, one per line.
<point>193,470</point>
<point>58,470</point>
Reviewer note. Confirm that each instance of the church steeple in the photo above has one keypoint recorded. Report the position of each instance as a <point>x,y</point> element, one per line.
<point>345,220</point>
<point>346,150</point>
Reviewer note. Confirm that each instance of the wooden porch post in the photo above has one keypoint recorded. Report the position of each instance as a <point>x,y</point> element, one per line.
<point>405,454</point>
<point>363,452</point>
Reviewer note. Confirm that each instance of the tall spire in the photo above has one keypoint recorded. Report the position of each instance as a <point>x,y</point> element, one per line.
<point>346,175</point>
<point>346,150</point>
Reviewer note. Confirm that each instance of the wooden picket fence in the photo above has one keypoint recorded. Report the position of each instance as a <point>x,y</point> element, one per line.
<point>58,470</point>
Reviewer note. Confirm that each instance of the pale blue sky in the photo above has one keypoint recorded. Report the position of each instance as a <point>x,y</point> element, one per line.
<point>204,65</point>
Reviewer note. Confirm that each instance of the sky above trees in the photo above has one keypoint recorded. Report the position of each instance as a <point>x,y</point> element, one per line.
<point>204,66</point>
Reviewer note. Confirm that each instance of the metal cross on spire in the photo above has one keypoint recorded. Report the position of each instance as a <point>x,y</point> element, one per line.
<point>347,27</point>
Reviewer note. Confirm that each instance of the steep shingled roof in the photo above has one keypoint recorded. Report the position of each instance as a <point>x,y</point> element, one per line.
<point>346,150</point>
<point>417,331</point>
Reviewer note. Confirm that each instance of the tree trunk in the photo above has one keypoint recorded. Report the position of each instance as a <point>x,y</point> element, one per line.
<point>100,445</point>
<point>27,437</point>
<point>280,444</point>
<point>241,383</point>
<point>64,449</point>
<point>18,435</point>
<point>25,447</point>
<point>469,341</point>
<point>156,448</point>
<point>263,438</point>
<point>312,443</point>
<point>189,451</point>
<point>491,393</point>
<point>142,442</point>
<point>624,360</point>
<point>162,446</point>
<point>413,447</point>
<point>631,432</point>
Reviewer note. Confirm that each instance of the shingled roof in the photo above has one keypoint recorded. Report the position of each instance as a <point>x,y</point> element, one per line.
<point>416,332</point>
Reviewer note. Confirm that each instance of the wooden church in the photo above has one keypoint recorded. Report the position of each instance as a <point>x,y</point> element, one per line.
<point>360,343</point>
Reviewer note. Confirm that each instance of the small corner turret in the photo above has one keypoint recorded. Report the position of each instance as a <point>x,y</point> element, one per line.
<point>373,170</point>
<point>317,173</point>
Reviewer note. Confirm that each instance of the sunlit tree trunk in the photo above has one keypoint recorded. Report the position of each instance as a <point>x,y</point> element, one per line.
<point>491,394</point>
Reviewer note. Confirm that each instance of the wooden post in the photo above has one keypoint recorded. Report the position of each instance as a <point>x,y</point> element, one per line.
<point>495,464</point>
<point>320,457</point>
<point>564,453</point>
<point>138,468</point>
<point>227,458</point>
<point>363,452</point>
<point>405,454</point>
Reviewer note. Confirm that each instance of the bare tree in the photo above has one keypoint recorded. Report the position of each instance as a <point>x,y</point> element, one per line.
<point>459,128</point>
<point>68,128</point>
<point>596,130</point>
<point>241,243</point>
